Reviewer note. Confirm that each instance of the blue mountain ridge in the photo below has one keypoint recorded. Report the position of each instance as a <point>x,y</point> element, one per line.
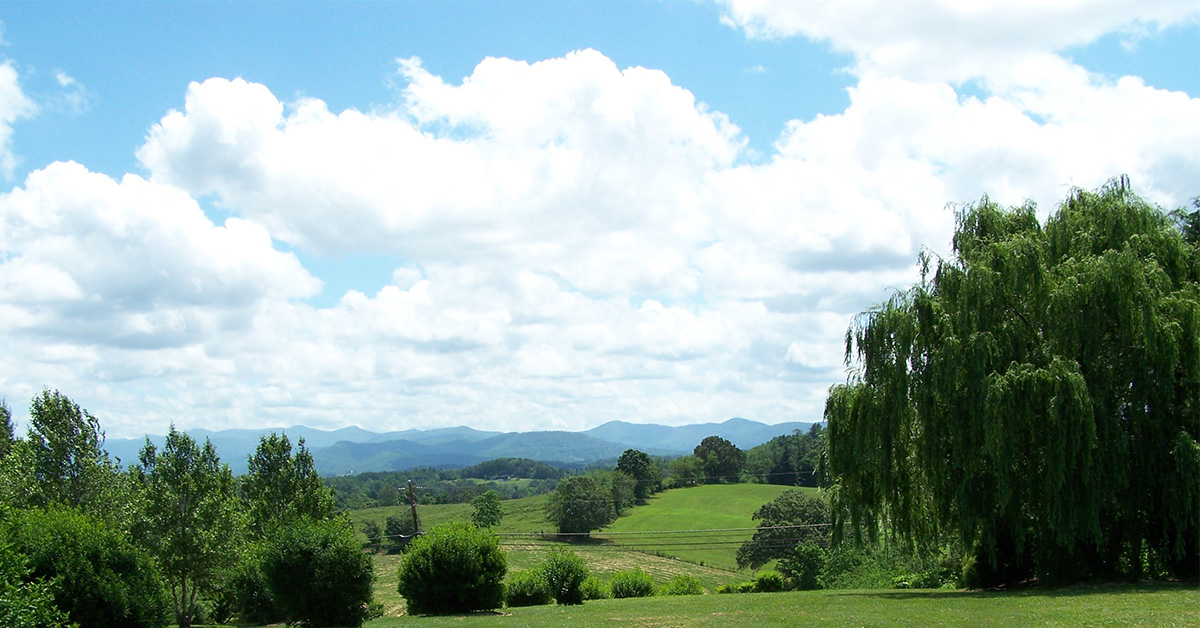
<point>355,450</point>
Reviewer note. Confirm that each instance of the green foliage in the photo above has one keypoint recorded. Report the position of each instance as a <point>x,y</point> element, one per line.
<point>512,468</point>
<point>683,584</point>
<point>802,566</point>
<point>487,511</point>
<point>318,574</point>
<point>768,582</point>
<point>639,466</point>
<point>565,572</point>
<point>244,592</point>
<point>738,587</point>
<point>6,430</point>
<point>685,471</point>
<point>25,603</point>
<point>101,580</point>
<point>791,459</point>
<point>632,583</point>
<point>1035,397</point>
<point>775,538</point>
<point>580,504</point>
<point>594,588</point>
<point>281,486</point>
<point>190,523</point>
<point>400,530</point>
<point>374,535</point>
<point>454,568</point>
<point>721,460</point>
<point>527,588</point>
<point>63,462</point>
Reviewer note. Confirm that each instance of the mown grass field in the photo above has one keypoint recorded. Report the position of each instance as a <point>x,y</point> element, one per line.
<point>1165,606</point>
<point>709,507</point>
<point>709,558</point>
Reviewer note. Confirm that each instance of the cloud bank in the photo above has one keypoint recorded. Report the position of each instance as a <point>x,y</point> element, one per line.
<point>574,242</point>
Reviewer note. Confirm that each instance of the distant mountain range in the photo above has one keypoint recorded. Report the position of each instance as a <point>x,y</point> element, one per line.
<point>355,450</point>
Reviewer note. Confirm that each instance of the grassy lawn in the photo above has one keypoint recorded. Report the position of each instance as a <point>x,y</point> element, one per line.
<point>713,506</point>
<point>1128,605</point>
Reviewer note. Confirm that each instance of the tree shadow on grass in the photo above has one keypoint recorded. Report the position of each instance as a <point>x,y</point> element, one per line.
<point>1031,591</point>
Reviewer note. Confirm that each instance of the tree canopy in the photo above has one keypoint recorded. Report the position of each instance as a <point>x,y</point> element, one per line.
<point>721,459</point>
<point>1035,395</point>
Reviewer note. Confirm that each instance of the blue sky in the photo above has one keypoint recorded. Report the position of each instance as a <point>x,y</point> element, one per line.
<point>528,215</point>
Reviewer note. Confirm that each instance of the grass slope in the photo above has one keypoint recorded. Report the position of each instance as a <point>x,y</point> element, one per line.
<point>1125,605</point>
<point>713,506</point>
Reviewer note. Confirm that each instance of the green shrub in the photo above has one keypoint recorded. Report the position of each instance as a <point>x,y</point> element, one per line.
<point>527,588</point>
<point>455,568</point>
<point>243,592</point>
<point>318,573</point>
<point>683,584</point>
<point>803,565</point>
<point>851,568</point>
<point>24,604</point>
<point>102,579</point>
<point>565,572</point>
<point>634,583</point>
<point>595,589</point>
<point>768,582</point>
<point>737,587</point>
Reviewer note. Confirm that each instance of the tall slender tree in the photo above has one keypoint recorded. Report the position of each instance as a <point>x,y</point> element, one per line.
<point>190,521</point>
<point>1036,395</point>
<point>282,486</point>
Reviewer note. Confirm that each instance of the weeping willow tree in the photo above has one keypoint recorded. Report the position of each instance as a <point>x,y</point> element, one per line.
<point>1036,396</point>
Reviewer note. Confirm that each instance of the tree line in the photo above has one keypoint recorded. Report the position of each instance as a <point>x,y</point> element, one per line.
<point>173,538</point>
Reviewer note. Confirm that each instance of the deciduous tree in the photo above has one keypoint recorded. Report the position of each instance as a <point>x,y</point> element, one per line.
<point>722,460</point>
<point>190,519</point>
<point>1036,395</point>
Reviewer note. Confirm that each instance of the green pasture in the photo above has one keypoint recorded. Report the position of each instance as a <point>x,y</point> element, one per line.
<point>1164,606</point>
<point>708,507</point>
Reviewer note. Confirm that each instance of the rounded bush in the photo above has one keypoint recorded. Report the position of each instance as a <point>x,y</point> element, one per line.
<point>595,589</point>
<point>101,579</point>
<point>318,573</point>
<point>684,584</point>
<point>565,572</point>
<point>634,583</point>
<point>768,582</point>
<point>527,588</point>
<point>455,568</point>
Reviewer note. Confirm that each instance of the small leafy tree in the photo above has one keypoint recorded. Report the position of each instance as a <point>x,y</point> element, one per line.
<point>784,522</point>
<point>638,465</point>
<point>487,511</point>
<point>400,531</point>
<point>281,486</point>
<point>318,574</point>
<point>190,520</point>
<point>374,535</point>
<point>579,504</point>
<point>455,568</point>
<point>721,459</point>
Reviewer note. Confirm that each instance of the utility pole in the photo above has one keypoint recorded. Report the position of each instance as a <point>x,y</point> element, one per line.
<point>412,500</point>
